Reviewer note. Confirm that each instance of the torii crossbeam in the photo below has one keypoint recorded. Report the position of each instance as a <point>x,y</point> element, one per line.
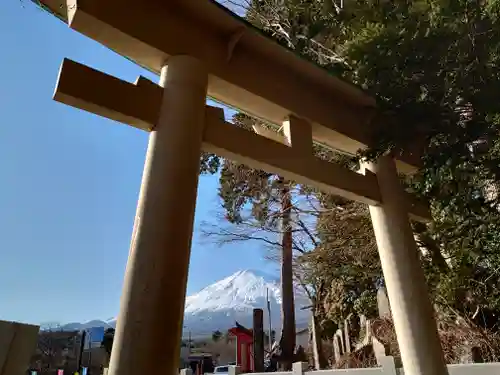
<point>200,49</point>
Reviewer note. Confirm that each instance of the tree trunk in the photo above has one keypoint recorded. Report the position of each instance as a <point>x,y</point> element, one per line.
<point>435,252</point>
<point>424,240</point>
<point>287,341</point>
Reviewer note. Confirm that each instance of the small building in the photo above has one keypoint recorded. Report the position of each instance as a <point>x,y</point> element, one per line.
<point>201,363</point>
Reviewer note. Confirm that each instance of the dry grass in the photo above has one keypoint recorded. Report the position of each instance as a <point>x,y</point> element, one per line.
<point>361,358</point>
<point>459,339</point>
<point>461,342</point>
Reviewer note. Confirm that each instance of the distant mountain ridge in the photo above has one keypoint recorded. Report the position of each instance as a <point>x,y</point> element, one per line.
<point>219,305</point>
<point>111,323</point>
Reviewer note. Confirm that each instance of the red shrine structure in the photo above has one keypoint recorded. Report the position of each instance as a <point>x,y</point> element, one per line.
<point>244,347</point>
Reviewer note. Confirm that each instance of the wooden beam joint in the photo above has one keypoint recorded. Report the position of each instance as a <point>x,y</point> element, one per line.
<point>298,133</point>
<point>233,41</point>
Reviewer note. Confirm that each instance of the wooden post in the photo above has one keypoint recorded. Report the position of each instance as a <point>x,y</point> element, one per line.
<point>412,312</point>
<point>17,344</point>
<point>149,327</point>
<point>258,340</point>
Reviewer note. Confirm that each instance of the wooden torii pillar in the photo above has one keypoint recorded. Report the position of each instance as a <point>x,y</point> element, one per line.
<point>152,303</point>
<point>207,51</point>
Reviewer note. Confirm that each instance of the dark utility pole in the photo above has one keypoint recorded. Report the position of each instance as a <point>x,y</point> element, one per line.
<point>82,345</point>
<point>258,340</point>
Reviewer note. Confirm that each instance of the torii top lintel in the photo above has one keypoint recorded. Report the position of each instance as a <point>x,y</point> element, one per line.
<point>249,71</point>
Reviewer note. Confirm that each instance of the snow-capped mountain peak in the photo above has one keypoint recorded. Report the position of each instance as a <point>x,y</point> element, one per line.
<point>241,291</point>
<point>219,305</point>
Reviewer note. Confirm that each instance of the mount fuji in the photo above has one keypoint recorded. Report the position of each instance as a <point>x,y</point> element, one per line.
<point>220,304</point>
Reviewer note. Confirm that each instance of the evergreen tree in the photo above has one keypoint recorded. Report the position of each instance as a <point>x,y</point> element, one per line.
<point>269,197</point>
<point>216,336</point>
<point>433,66</point>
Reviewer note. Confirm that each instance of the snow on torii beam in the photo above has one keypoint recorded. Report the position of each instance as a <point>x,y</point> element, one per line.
<point>138,105</point>
<point>248,70</point>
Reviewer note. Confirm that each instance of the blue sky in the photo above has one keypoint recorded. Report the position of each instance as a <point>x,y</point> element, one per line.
<point>69,183</point>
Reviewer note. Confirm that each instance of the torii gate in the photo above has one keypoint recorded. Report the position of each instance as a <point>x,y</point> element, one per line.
<point>244,347</point>
<point>209,51</point>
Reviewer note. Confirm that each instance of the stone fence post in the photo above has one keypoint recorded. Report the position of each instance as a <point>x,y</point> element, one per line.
<point>298,368</point>
<point>388,365</point>
<point>234,370</point>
